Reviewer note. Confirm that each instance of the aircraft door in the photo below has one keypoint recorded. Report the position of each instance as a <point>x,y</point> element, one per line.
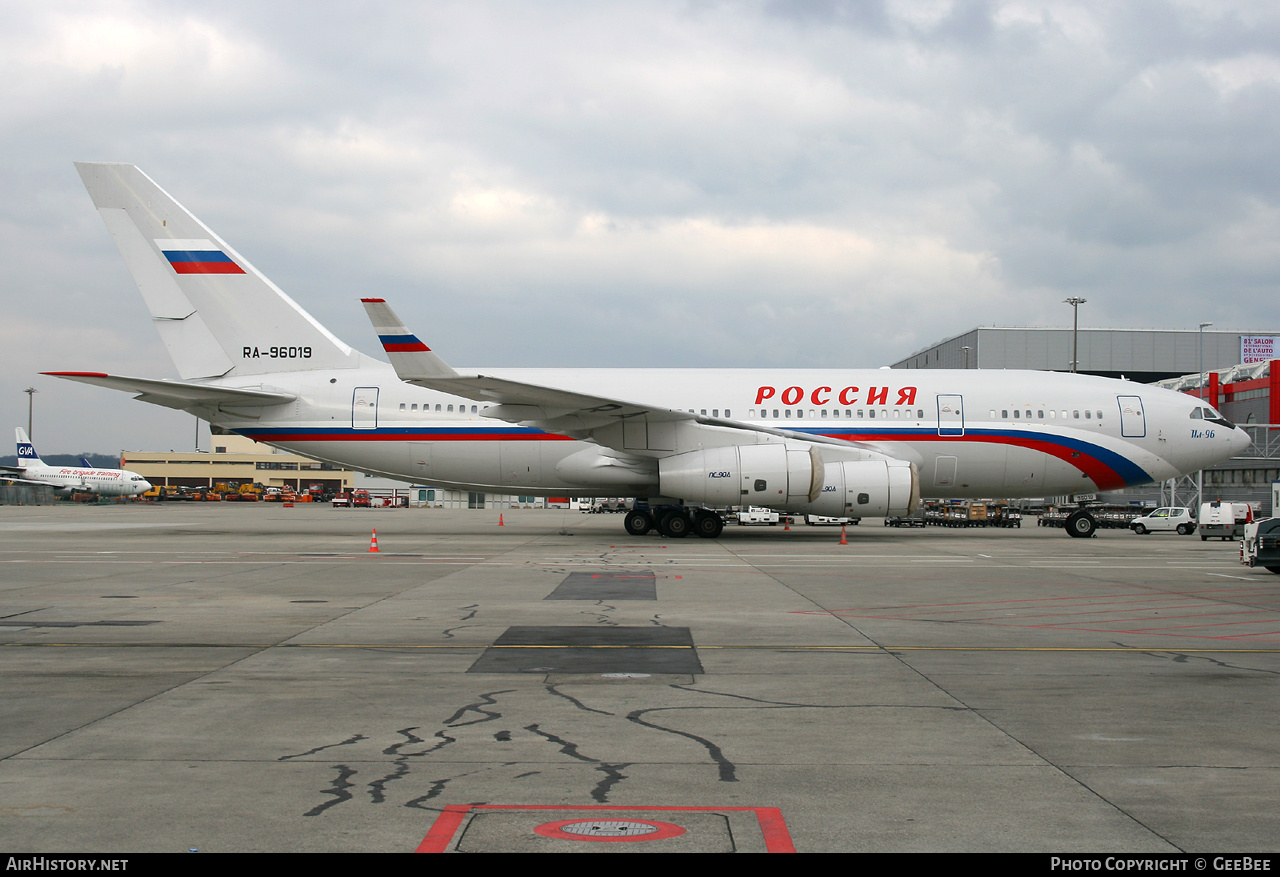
<point>950,415</point>
<point>364,408</point>
<point>1133,422</point>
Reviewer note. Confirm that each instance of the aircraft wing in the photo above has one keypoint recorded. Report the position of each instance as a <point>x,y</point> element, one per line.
<point>560,411</point>
<point>179,394</point>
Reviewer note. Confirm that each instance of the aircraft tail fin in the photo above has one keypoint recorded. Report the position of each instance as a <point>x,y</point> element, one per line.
<point>27,455</point>
<point>216,313</point>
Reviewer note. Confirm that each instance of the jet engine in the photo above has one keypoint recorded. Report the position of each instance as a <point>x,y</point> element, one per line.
<point>792,477</point>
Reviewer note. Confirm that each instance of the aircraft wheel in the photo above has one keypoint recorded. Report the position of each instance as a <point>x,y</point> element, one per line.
<point>1139,529</point>
<point>708,525</point>
<point>638,522</point>
<point>674,525</point>
<point>1081,525</point>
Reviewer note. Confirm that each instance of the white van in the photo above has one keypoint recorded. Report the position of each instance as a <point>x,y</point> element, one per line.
<point>1224,520</point>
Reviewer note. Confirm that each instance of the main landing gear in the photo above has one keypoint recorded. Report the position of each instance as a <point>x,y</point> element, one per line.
<point>1081,524</point>
<point>674,523</point>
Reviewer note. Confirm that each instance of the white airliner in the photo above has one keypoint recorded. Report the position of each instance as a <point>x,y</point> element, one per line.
<point>836,443</point>
<point>71,479</point>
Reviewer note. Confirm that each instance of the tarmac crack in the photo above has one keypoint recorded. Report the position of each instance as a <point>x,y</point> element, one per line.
<point>613,774</point>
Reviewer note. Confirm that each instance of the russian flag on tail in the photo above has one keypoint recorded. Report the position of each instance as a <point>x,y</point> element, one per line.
<point>401,343</point>
<point>197,257</point>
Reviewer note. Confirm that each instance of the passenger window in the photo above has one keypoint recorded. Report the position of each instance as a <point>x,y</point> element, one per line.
<point>1087,412</point>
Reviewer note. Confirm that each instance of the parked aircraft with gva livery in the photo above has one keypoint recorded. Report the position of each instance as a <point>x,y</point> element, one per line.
<point>836,443</point>
<point>71,479</point>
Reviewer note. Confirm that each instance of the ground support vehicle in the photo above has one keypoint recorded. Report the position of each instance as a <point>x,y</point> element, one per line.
<point>754,515</point>
<point>824,520</point>
<point>915,519</point>
<point>1261,545</point>
<point>1224,520</point>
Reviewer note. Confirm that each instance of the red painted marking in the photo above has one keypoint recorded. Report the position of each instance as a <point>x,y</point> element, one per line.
<point>445,827</point>
<point>773,827</point>
<point>378,300</point>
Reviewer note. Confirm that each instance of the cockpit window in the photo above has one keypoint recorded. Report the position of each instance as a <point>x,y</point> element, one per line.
<point>1209,414</point>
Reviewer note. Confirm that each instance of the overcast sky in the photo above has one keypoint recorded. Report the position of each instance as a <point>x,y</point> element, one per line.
<point>815,184</point>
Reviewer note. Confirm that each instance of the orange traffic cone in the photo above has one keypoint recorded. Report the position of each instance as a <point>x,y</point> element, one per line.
<point>373,541</point>
<point>500,524</point>
<point>843,539</point>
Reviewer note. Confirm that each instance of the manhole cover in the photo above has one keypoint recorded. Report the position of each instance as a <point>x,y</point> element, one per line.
<point>609,829</point>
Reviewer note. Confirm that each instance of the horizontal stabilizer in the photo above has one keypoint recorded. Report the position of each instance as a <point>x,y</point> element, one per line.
<point>179,394</point>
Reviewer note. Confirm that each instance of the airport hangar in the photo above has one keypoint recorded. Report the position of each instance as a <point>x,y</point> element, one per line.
<point>1241,379</point>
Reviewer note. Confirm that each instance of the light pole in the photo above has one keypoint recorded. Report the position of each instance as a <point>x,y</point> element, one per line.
<point>31,394</point>
<point>966,355</point>
<point>1075,302</point>
<point>1200,345</point>
<point>1200,474</point>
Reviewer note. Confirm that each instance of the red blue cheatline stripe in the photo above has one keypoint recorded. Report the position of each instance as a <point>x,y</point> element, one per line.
<point>1107,469</point>
<point>400,434</point>
<point>401,343</point>
<point>201,262</point>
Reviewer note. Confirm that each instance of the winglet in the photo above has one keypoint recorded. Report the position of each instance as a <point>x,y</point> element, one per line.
<point>411,359</point>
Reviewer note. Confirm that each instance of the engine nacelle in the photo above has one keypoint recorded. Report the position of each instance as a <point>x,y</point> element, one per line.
<point>866,488</point>
<point>791,477</point>
<point>773,475</point>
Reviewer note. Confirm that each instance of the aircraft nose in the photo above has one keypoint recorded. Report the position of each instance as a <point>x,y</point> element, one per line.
<point>1240,441</point>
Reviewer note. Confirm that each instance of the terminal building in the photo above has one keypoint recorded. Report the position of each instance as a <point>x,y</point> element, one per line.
<point>1141,355</point>
<point>245,461</point>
